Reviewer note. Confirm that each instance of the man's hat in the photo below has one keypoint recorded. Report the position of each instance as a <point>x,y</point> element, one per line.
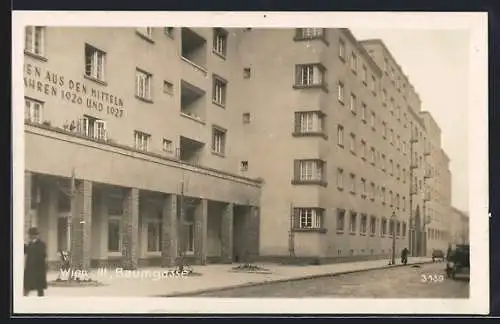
<point>33,231</point>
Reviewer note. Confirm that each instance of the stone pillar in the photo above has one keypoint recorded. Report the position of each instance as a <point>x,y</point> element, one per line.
<point>130,229</point>
<point>227,233</point>
<point>200,232</point>
<point>169,243</point>
<point>81,209</point>
<point>252,233</point>
<point>28,180</point>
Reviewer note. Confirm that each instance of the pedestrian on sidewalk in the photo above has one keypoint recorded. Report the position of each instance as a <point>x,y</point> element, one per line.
<point>35,269</point>
<point>404,256</point>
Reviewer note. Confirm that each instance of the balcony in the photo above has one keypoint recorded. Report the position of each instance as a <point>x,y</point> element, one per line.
<point>192,102</point>
<point>190,150</point>
<point>194,48</point>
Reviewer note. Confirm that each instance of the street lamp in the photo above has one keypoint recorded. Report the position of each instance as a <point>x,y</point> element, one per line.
<point>393,218</point>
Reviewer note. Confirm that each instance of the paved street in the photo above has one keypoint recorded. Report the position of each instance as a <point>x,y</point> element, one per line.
<point>428,281</point>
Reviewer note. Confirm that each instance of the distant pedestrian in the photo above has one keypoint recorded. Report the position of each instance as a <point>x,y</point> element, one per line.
<point>35,269</point>
<point>404,256</point>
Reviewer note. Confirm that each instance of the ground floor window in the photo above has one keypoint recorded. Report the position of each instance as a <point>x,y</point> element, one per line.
<point>154,236</point>
<point>114,235</point>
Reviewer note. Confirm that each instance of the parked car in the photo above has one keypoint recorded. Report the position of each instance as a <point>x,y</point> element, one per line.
<point>437,254</point>
<point>458,261</point>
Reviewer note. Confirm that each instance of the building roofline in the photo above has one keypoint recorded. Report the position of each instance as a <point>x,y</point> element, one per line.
<point>347,32</point>
<point>381,42</point>
<point>426,112</point>
<point>417,117</point>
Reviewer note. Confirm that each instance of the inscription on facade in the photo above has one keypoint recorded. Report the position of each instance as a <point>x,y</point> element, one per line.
<point>72,91</point>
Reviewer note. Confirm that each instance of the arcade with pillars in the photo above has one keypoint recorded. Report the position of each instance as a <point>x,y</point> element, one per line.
<point>105,225</point>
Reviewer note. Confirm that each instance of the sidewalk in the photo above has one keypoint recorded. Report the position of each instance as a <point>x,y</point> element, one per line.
<point>213,277</point>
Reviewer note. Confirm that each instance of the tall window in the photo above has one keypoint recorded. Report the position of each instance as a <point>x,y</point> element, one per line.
<point>218,140</point>
<point>309,217</point>
<point>219,91</point>
<point>352,144</point>
<point>363,149</point>
<point>372,155</point>
<point>354,62</point>
<point>141,140</point>
<point>114,206</point>
<point>220,41</point>
<point>372,191</point>
<point>383,227</point>
<point>341,92</point>
<point>353,182</point>
<point>352,222</point>
<point>342,49</point>
<point>143,84</point>
<point>340,220</point>
<point>340,178</point>
<point>364,220</point>
<point>340,135</point>
<point>363,187</point>
<point>363,111</point>
<point>372,119</point>
<point>403,231</point>
<point>352,103</point>
<point>309,170</point>
<point>384,130</point>
<point>308,122</point>
<point>154,237</point>
<point>307,75</point>
<point>33,110</point>
<point>373,84</point>
<point>34,41</point>
<point>94,62</point>
<point>373,224</point>
<point>92,127</point>
<point>364,75</point>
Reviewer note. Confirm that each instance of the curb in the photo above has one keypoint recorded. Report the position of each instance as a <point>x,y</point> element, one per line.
<point>268,282</point>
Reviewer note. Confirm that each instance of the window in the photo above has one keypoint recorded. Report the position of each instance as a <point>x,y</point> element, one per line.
<point>391,165</point>
<point>340,136</point>
<point>168,87</point>
<point>92,127</point>
<point>309,170</point>
<point>94,62</point>
<point>352,144</point>
<point>246,118</point>
<point>220,41</point>
<point>363,149</point>
<point>383,162</point>
<point>404,175</point>
<point>218,140</point>
<point>219,91</point>
<point>145,31</point>
<point>363,187</point>
<point>363,111</point>
<point>372,155</point>
<point>398,172</point>
<point>141,140</point>
<point>364,220</point>
<point>364,75</point>
<point>391,228</point>
<point>340,178</point>
<point>342,49</point>
<point>247,73</point>
<point>309,217</point>
<point>354,62</point>
<point>340,92</point>
<point>386,65</point>
<point>384,95</point>
<point>310,33</point>
<point>352,103</point>
<point>114,235</point>
<point>169,31</point>
<point>244,166</point>
<point>397,201</point>
<point>383,196</point>
<point>373,224</point>
<point>340,220</point>
<point>308,122</point>
<point>309,75</point>
<point>372,120</point>
<point>398,143</point>
<point>34,41</point>
<point>167,145</point>
<point>143,84</point>
<point>391,199</point>
<point>384,130</point>
<point>33,110</point>
<point>353,183</point>
<point>352,222</point>
<point>391,137</point>
<point>372,191</point>
<point>383,227</point>
<point>153,236</point>
<point>403,231</point>
<point>373,87</point>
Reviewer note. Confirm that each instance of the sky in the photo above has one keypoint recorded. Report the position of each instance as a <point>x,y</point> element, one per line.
<point>437,64</point>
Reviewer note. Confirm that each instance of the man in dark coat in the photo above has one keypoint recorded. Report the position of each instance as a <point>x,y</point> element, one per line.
<point>404,255</point>
<point>35,269</point>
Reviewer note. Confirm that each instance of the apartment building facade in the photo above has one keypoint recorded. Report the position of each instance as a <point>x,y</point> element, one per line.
<point>143,144</point>
<point>128,158</point>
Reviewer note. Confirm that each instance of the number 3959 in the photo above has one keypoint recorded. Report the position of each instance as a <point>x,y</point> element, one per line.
<point>431,278</point>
